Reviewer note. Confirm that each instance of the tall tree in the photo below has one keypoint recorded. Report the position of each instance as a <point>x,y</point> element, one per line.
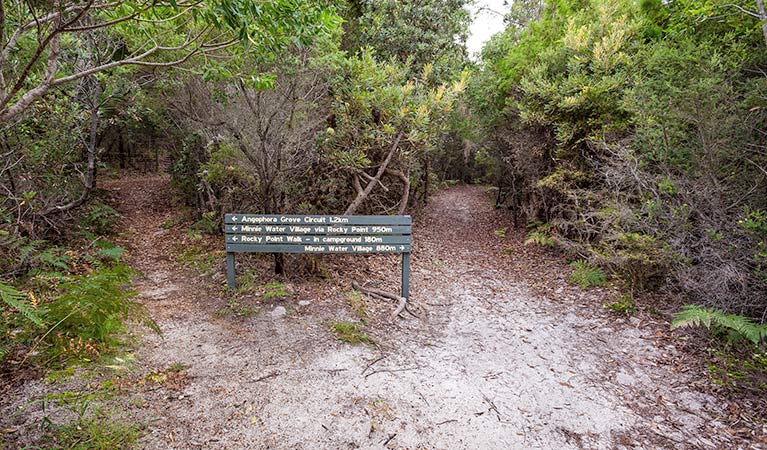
<point>35,37</point>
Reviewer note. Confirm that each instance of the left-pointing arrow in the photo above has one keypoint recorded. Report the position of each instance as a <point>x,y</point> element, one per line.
<point>234,218</point>
<point>234,228</point>
<point>234,238</point>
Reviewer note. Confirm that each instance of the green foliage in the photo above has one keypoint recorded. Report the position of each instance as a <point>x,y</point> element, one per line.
<point>20,302</point>
<point>209,223</point>
<point>100,218</point>
<point>405,31</point>
<point>93,307</point>
<point>358,304</point>
<point>631,129</point>
<point>275,290</point>
<point>739,370</point>
<point>539,237</point>
<point>96,431</point>
<point>350,332</point>
<point>625,305</point>
<point>736,326</point>
<point>586,275</point>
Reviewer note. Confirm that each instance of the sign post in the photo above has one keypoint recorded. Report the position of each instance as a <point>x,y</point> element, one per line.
<point>274,233</point>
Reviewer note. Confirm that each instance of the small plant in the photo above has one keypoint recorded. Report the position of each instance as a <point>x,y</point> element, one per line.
<point>624,305</point>
<point>200,258</point>
<point>92,309</point>
<point>350,332</point>
<point>100,218</point>
<point>275,290</point>
<point>537,237</point>
<point>501,233</point>
<point>236,307</point>
<point>586,274</point>
<point>21,303</point>
<point>208,223</point>
<point>736,327</point>
<point>97,432</point>
<point>357,304</point>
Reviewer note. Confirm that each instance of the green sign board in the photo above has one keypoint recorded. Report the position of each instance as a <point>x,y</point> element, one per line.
<point>282,233</point>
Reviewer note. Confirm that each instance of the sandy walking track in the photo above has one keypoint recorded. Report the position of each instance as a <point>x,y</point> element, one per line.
<point>489,365</point>
<point>504,355</point>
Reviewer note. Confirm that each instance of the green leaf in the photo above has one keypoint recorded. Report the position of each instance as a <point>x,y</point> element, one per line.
<point>18,301</point>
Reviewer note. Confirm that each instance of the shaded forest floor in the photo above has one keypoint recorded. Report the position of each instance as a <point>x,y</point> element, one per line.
<point>503,353</point>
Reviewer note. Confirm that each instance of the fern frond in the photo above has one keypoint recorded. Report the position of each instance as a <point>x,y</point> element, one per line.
<point>17,300</point>
<point>696,315</point>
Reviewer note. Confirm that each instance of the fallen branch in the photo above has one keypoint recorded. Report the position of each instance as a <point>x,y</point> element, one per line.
<point>378,293</point>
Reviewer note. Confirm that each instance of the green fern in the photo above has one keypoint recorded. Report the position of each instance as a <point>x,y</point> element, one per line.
<point>698,316</point>
<point>18,301</point>
<point>536,237</point>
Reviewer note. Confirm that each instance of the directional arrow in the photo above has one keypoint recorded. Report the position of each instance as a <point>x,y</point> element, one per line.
<point>234,238</point>
<point>234,218</point>
<point>234,228</point>
<point>402,247</point>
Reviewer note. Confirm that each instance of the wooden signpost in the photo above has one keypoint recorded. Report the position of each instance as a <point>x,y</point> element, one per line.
<point>272,233</point>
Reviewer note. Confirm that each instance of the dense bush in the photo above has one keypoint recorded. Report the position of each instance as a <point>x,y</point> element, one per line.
<point>635,132</point>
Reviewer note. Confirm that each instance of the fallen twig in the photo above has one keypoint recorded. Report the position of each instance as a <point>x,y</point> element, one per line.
<point>373,363</point>
<point>389,440</point>
<point>392,370</point>
<point>266,377</point>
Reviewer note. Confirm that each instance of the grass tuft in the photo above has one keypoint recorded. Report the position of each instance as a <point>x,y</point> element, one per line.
<point>350,332</point>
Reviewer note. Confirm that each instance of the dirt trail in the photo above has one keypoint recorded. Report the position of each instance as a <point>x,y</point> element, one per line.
<point>505,354</point>
<point>491,365</point>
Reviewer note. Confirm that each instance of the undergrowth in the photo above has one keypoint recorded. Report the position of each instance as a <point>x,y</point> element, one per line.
<point>587,275</point>
<point>350,332</point>
<point>738,360</point>
<point>71,306</point>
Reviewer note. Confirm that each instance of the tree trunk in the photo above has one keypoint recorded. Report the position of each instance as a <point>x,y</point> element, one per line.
<point>762,18</point>
<point>426,177</point>
<point>405,190</point>
<point>361,196</point>
<point>90,177</point>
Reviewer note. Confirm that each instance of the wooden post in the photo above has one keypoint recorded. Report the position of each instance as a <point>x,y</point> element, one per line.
<point>230,270</point>
<point>406,275</point>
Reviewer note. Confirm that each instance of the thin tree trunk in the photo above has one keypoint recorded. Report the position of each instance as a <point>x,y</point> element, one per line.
<point>762,18</point>
<point>90,177</point>
<point>426,177</point>
<point>371,184</point>
<point>405,190</point>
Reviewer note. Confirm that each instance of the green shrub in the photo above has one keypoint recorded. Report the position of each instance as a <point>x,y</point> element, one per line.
<point>639,259</point>
<point>586,274</point>
<point>209,223</point>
